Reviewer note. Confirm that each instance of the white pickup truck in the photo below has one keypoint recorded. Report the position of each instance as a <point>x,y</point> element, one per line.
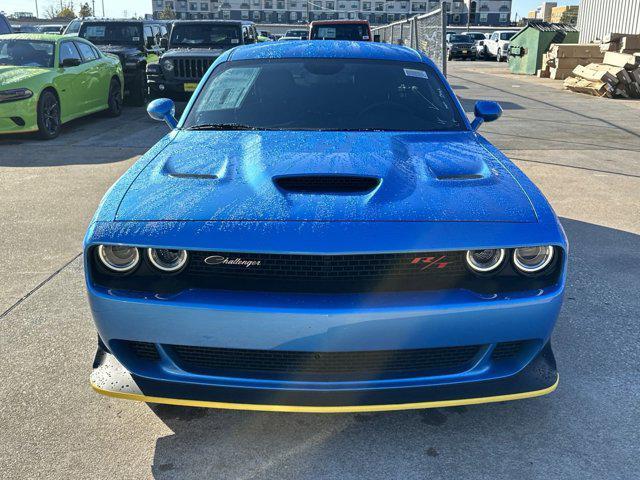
<point>498,44</point>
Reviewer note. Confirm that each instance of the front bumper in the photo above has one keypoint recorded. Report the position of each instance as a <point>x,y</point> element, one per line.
<point>538,378</point>
<point>461,54</point>
<point>19,116</point>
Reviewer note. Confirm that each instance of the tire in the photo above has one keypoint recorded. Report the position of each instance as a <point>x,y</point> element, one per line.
<point>139,90</point>
<point>115,98</point>
<point>48,114</point>
<point>499,56</point>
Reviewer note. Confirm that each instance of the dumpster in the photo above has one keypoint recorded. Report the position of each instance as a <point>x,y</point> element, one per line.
<point>529,44</point>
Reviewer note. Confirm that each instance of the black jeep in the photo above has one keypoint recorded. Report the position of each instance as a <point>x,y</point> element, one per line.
<point>193,47</point>
<point>136,42</point>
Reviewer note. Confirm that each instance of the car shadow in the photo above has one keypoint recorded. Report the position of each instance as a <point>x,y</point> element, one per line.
<point>596,335</point>
<point>94,139</point>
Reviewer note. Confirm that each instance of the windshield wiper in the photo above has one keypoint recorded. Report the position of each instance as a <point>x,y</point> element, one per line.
<point>222,126</point>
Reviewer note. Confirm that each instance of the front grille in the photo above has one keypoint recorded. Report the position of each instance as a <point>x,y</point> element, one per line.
<point>145,350</point>
<point>506,350</point>
<point>191,68</point>
<point>327,183</point>
<point>358,365</point>
<point>328,273</point>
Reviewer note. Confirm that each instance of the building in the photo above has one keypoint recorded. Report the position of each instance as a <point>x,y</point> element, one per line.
<point>567,14</point>
<point>596,18</point>
<point>482,12</point>
<point>543,12</point>
<point>533,14</point>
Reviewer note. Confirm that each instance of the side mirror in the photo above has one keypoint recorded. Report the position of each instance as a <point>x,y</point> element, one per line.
<point>485,112</point>
<point>71,62</point>
<point>164,43</point>
<point>163,110</point>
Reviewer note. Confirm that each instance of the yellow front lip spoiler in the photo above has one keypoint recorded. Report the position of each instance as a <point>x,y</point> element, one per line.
<point>327,409</point>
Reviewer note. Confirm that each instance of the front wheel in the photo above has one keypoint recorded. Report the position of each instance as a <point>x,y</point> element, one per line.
<point>48,114</point>
<point>115,98</point>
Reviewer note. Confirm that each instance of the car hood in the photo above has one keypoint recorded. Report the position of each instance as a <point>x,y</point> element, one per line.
<point>233,175</point>
<point>12,76</point>
<point>194,52</point>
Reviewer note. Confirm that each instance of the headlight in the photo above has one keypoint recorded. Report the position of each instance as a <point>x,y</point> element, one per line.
<point>167,260</point>
<point>119,258</point>
<point>485,261</point>
<point>167,65</point>
<point>16,94</point>
<point>532,259</point>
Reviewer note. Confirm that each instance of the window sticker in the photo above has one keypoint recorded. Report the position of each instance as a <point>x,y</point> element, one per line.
<point>410,72</point>
<point>231,87</point>
<point>136,39</point>
<point>235,40</point>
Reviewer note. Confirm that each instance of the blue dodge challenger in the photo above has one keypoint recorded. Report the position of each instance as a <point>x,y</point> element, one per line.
<point>323,230</point>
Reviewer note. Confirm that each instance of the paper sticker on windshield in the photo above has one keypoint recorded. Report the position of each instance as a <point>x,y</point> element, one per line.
<point>410,72</point>
<point>235,40</point>
<point>136,39</point>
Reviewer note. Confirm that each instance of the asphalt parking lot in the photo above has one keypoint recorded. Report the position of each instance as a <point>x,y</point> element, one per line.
<point>583,152</point>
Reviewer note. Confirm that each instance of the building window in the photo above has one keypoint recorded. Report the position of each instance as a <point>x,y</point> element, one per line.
<point>503,17</point>
<point>204,7</point>
<point>379,6</point>
<point>268,4</point>
<point>366,6</point>
<point>226,14</point>
<point>483,18</point>
<point>342,6</point>
<point>193,6</point>
<point>256,15</point>
<point>280,5</point>
<point>330,5</point>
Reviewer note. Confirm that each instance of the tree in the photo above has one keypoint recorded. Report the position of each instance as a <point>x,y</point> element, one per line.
<point>64,10</point>
<point>167,13</point>
<point>85,11</point>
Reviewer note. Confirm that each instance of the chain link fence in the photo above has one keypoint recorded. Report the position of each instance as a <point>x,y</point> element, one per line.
<point>423,32</point>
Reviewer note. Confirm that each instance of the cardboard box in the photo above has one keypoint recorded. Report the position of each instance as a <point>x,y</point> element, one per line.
<point>575,50</point>
<point>612,37</point>
<point>596,74</point>
<point>630,42</point>
<point>559,73</point>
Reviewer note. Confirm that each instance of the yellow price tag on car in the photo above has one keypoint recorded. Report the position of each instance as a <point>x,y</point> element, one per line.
<point>190,87</point>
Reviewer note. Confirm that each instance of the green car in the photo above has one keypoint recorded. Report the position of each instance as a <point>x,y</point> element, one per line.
<point>47,80</point>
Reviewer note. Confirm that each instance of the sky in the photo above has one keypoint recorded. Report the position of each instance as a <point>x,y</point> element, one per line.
<point>116,8</point>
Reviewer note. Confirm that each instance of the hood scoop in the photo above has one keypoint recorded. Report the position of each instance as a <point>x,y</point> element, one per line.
<point>327,184</point>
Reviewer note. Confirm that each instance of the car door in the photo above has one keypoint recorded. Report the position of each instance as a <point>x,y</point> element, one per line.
<point>68,82</point>
<point>493,44</point>
<point>94,82</point>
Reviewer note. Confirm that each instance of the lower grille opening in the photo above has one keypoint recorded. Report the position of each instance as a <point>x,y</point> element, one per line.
<point>327,366</point>
<point>506,350</point>
<point>145,350</point>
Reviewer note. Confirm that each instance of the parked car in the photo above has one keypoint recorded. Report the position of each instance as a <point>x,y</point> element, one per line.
<point>478,39</point>
<point>460,46</point>
<point>136,42</point>
<point>47,80</point>
<point>498,44</point>
<point>193,47</point>
<point>24,29</point>
<point>298,34</point>
<point>358,30</point>
<point>53,29</point>
<point>323,230</point>
<point>5,26</point>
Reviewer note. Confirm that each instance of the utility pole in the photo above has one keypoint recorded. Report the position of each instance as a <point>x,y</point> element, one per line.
<point>102,8</point>
<point>37,14</point>
<point>93,8</point>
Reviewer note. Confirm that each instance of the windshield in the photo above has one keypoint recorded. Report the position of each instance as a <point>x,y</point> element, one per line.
<point>324,94</point>
<point>73,27</point>
<point>340,32</point>
<point>476,36</point>
<point>26,53</point>
<point>460,39</point>
<point>297,33</point>
<point>204,35</point>
<point>507,35</point>
<point>112,32</point>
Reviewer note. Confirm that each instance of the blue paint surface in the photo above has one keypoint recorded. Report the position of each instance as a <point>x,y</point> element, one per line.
<point>215,191</point>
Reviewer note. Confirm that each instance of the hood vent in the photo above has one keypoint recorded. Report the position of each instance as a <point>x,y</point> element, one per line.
<point>352,184</point>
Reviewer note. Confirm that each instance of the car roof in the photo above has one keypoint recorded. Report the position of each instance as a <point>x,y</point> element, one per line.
<point>325,49</point>
<point>43,37</point>
<point>121,20</point>
<point>216,22</point>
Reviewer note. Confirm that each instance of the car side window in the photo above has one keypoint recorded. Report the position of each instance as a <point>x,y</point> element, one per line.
<point>86,51</point>
<point>148,36</point>
<point>96,52</point>
<point>69,50</point>
<point>156,33</point>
